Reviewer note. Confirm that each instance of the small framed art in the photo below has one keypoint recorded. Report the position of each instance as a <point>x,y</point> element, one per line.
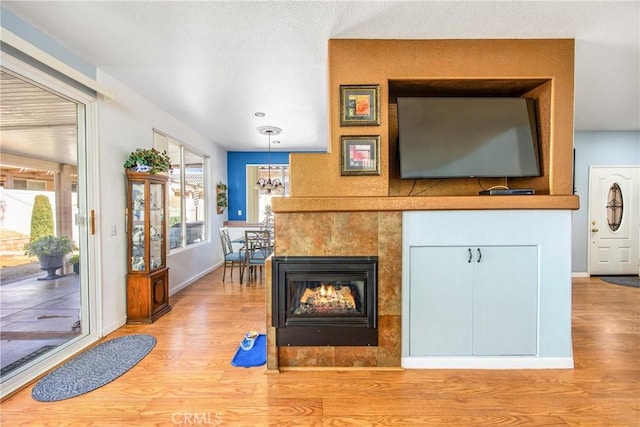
<point>360,155</point>
<point>359,105</point>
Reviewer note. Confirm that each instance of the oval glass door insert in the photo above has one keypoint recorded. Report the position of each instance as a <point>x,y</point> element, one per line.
<point>614,207</point>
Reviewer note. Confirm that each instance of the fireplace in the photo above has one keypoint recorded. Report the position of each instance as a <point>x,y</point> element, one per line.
<point>325,301</point>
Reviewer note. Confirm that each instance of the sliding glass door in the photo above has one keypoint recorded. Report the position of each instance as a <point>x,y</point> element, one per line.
<point>46,300</point>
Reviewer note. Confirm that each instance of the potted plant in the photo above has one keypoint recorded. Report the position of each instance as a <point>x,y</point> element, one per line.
<point>50,251</point>
<point>74,260</point>
<point>148,160</point>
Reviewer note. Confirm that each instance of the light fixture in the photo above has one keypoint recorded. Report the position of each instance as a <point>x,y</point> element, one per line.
<point>269,186</point>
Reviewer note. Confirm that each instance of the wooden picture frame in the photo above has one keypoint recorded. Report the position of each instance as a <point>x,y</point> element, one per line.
<point>360,155</point>
<point>359,105</point>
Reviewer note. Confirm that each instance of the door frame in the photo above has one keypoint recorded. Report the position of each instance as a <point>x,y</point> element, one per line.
<point>590,207</point>
<point>88,201</point>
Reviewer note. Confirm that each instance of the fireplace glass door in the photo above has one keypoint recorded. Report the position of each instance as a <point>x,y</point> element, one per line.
<point>325,300</point>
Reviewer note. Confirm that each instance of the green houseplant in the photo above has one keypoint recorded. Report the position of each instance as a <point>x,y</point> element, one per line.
<point>148,160</point>
<point>50,251</point>
<point>74,260</point>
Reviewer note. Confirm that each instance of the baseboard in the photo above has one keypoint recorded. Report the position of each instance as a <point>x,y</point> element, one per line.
<point>340,368</point>
<point>177,288</point>
<point>578,274</point>
<point>114,326</point>
<point>487,362</point>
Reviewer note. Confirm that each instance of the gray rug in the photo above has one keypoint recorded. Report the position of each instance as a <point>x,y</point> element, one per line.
<point>632,281</point>
<point>93,368</point>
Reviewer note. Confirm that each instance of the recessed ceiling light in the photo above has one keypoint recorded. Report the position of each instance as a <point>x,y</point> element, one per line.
<point>259,114</point>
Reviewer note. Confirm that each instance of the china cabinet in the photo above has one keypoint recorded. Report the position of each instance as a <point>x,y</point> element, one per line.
<point>148,274</point>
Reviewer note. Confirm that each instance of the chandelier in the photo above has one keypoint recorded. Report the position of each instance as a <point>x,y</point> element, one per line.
<point>269,186</point>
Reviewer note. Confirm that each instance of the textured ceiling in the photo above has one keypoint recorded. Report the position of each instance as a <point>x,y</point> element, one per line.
<point>212,64</point>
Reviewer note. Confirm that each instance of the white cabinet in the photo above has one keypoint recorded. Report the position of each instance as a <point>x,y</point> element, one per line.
<point>473,300</point>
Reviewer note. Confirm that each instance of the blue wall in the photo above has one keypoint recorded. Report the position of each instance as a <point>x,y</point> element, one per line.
<point>596,149</point>
<point>237,162</point>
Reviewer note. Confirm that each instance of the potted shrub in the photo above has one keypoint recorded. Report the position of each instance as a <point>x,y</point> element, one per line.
<point>148,160</point>
<point>74,260</point>
<point>50,251</point>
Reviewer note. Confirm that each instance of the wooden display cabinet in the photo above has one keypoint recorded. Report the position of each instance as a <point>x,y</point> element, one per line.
<point>148,274</point>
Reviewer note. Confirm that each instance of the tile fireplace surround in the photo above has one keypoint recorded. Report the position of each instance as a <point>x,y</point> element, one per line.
<point>344,234</point>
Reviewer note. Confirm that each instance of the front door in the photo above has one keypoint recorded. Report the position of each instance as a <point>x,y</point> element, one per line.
<point>614,215</point>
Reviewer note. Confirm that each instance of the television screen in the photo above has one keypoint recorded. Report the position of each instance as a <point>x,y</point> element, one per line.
<point>449,137</point>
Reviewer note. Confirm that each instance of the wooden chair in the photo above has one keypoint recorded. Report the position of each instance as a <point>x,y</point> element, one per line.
<point>231,258</point>
<point>257,248</point>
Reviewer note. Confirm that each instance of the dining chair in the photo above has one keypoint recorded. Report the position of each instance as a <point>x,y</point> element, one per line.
<point>257,248</point>
<point>231,258</point>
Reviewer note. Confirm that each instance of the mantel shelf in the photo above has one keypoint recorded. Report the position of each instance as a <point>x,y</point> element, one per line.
<point>356,204</point>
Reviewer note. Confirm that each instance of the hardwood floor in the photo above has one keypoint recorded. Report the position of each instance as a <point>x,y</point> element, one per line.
<point>188,379</point>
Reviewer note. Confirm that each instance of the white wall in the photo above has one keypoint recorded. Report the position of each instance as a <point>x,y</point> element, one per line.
<point>125,125</point>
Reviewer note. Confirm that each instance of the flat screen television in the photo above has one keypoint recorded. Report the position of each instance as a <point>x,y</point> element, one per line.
<point>455,137</point>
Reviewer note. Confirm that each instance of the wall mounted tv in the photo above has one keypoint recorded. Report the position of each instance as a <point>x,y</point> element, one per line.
<point>456,137</point>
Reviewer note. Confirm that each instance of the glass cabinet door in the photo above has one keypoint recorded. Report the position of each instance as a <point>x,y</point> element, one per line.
<point>156,225</point>
<point>137,226</point>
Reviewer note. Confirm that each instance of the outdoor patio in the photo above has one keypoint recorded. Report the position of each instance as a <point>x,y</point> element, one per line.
<point>34,315</point>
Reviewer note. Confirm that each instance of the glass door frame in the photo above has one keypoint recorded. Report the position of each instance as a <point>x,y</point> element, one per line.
<point>88,240</point>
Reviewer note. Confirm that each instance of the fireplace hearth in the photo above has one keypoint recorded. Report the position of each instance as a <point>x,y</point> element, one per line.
<point>325,301</point>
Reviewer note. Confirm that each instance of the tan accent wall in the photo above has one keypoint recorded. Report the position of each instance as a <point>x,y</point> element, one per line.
<point>542,68</point>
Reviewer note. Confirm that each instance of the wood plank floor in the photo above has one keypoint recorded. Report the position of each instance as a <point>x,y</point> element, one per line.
<point>188,379</point>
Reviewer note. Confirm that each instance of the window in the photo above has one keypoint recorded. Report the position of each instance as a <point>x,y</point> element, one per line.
<point>614,207</point>
<point>187,193</point>
<point>29,184</point>
<point>257,201</point>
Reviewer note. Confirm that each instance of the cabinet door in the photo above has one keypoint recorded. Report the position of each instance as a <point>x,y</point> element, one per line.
<point>156,226</point>
<point>159,291</point>
<point>441,301</point>
<point>138,226</point>
<point>505,300</point>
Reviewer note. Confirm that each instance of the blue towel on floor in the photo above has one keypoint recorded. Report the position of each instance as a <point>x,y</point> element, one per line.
<point>257,356</point>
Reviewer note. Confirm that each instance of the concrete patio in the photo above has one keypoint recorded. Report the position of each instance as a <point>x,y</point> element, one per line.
<point>36,313</point>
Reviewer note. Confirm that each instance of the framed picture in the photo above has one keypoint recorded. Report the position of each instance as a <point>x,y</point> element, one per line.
<point>360,155</point>
<point>359,105</point>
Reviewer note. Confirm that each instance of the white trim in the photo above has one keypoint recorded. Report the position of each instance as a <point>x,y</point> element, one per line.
<point>192,280</point>
<point>580,274</point>
<point>501,362</point>
<point>24,46</point>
